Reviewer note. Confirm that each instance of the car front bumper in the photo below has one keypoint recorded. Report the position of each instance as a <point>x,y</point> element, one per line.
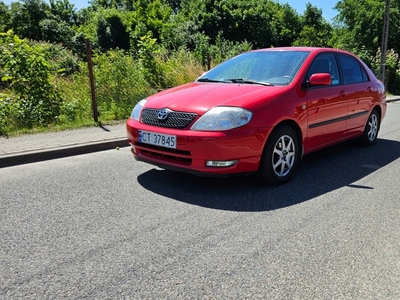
<point>195,148</point>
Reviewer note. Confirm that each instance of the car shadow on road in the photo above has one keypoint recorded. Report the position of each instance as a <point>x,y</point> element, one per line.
<point>318,173</point>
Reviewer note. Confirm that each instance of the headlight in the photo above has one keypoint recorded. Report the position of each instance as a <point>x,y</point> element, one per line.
<point>138,109</point>
<point>222,118</point>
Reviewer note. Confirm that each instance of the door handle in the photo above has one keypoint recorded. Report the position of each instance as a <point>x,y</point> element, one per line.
<point>343,93</point>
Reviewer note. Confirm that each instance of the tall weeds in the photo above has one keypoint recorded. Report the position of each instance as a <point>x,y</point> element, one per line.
<point>121,80</point>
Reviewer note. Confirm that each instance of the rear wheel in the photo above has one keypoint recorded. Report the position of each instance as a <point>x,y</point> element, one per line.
<point>280,156</point>
<point>371,129</point>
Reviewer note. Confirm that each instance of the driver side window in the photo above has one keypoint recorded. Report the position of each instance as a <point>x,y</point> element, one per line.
<point>325,63</point>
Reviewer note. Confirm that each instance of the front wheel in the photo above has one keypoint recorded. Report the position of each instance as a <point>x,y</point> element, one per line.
<point>371,129</point>
<point>280,156</point>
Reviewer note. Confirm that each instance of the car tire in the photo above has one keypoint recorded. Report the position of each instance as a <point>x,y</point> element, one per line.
<point>371,129</point>
<point>280,156</point>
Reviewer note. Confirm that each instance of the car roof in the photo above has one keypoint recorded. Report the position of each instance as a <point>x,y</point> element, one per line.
<point>307,49</point>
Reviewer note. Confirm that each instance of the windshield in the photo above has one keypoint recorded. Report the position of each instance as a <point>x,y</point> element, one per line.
<point>258,67</point>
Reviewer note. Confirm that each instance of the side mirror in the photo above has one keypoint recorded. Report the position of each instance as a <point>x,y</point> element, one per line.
<point>320,79</point>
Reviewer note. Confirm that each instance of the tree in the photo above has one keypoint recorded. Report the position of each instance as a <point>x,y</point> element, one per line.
<point>174,4</point>
<point>111,32</point>
<point>64,10</point>
<point>56,31</point>
<point>362,22</point>
<point>26,18</point>
<point>5,17</point>
<point>359,28</point>
<point>57,26</point>
<point>98,4</point>
<point>316,31</point>
<point>262,23</point>
<point>153,15</point>
<point>288,26</point>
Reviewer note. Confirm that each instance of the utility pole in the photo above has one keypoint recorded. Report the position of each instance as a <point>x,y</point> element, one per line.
<point>384,41</point>
<point>91,78</point>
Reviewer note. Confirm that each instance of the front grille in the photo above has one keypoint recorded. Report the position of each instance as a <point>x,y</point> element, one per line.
<point>175,156</point>
<point>175,119</point>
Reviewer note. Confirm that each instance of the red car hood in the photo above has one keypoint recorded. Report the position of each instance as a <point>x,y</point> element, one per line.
<point>200,97</point>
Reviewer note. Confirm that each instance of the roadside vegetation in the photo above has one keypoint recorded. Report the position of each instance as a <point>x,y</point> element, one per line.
<point>143,46</point>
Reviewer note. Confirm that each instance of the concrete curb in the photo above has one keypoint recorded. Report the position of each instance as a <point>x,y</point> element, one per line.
<point>392,98</point>
<point>48,154</point>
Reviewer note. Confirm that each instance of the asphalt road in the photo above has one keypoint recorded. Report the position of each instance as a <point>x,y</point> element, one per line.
<point>102,226</point>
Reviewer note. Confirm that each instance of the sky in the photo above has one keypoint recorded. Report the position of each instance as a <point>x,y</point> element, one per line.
<point>299,5</point>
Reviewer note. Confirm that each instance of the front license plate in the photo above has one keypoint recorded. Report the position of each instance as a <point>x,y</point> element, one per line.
<point>158,139</point>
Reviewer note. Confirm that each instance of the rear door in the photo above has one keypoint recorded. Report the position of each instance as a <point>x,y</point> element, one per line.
<point>326,105</point>
<point>360,92</point>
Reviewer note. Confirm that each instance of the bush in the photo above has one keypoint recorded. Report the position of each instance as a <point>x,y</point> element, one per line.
<point>62,61</point>
<point>120,84</point>
<point>7,114</point>
<point>392,68</point>
<point>76,106</point>
<point>179,67</point>
<point>26,71</point>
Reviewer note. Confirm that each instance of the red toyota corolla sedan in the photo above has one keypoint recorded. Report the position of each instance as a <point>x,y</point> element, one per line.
<point>259,112</point>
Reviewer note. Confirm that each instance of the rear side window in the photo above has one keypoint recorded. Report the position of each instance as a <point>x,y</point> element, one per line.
<point>352,70</point>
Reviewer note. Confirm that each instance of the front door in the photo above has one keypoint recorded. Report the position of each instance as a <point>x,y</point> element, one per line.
<point>326,105</point>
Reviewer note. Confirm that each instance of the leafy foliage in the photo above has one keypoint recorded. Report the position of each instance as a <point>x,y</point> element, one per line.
<point>363,21</point>
<point>239,20</point>
<point>179,67</point>
<point>120,84</point>
<point>55,30</point>
<point>27,72</point>
<point>392,67</point>
<point>111,31</point>
<point>315,32</point>
<point>5,17</point>
<point>76,105</point>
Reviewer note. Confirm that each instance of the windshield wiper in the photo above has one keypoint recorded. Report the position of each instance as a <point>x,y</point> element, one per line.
<point>248,81</point>
<point>206,79</point>
<point>234,80</point>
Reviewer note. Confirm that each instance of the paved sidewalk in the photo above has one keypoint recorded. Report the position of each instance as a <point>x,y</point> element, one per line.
<point>43,146</point>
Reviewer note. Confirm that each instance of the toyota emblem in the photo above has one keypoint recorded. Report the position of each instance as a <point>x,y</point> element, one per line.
<point>162,114</point>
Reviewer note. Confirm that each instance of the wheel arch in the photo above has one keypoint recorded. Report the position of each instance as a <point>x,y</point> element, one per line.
<point>292,124</point>
<point>379,110</point>
<point>272,160</point>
